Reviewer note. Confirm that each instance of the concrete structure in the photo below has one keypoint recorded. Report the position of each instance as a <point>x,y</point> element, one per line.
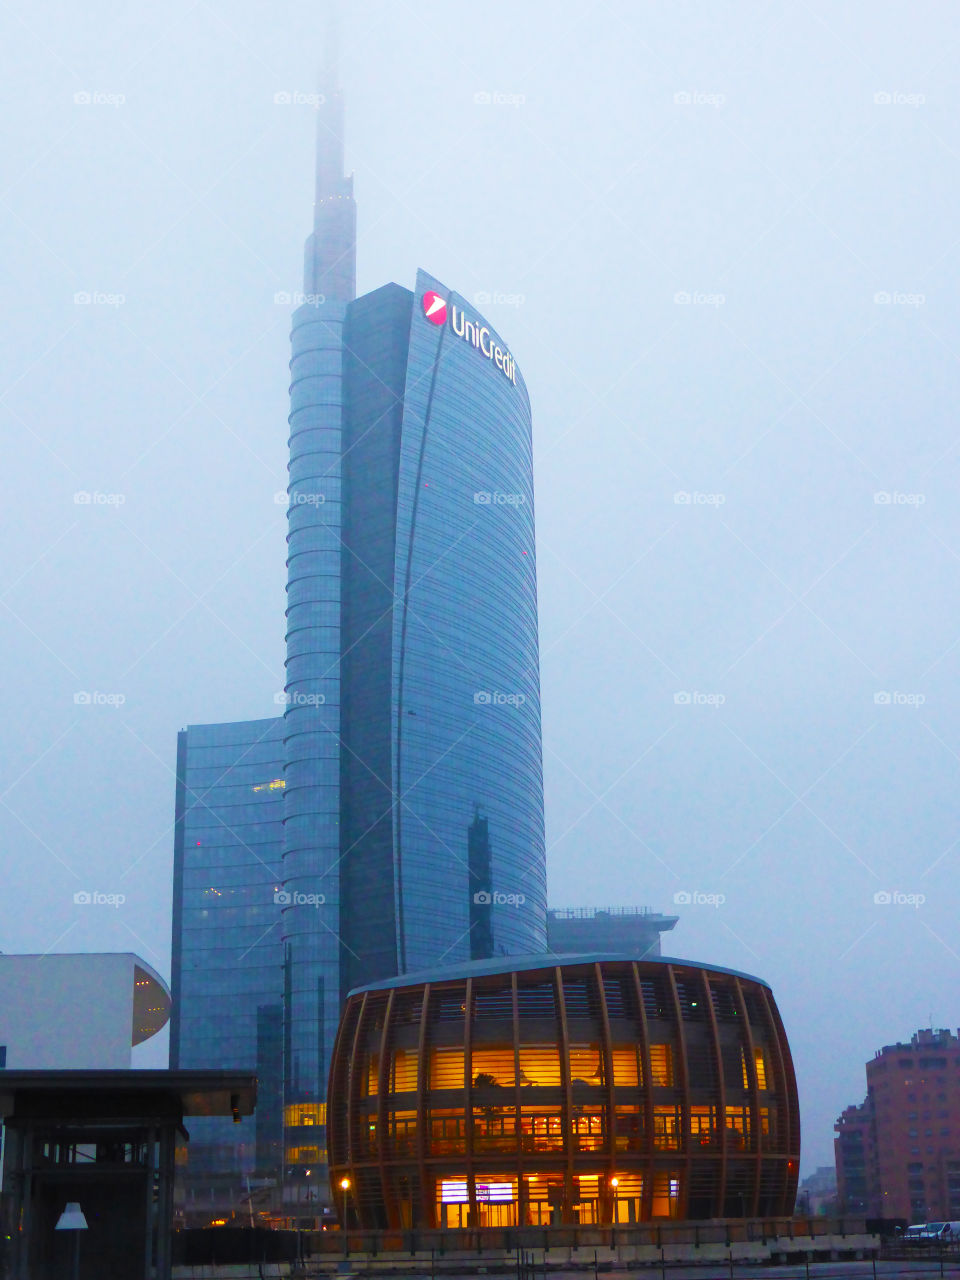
<point>104,1140</point>
<point>600,1089</point>
<point>817,1193</point>
<point>630,931</point>
<point>898,1153</point>
<point>73,1011</point>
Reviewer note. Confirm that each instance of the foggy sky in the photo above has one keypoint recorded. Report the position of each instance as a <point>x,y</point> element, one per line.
<point>792,171</point>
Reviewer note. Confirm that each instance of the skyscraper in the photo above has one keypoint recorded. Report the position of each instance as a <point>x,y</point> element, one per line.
<point>401,824</point>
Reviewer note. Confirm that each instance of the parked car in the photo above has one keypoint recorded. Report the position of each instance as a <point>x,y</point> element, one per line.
<point>931,1233</point>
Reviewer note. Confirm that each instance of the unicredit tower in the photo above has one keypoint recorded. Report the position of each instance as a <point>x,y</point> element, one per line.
<point>392,819</point>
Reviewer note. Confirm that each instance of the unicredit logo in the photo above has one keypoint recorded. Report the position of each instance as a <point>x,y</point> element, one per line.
<point>435,308</point>
<point>472,331</point>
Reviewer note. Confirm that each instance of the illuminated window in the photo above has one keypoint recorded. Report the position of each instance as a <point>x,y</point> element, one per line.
<point>403,1076</point>
<point>745,1079</point>
<point>628,1128</point>
<point>703,1126</point>
<point>447,1132</point>
<point>403,1132</point>
<point>305,1113</point>
<point>738,1127</point>
<point>492,1066</point>
<point>666,1196</point>
<point>539,1065</point>
<point>761,1068</point>
<point>627,1071</point>
<point>666,1128</point>
<point>371,1080</point>
<point>446,1068</point>
<point>661,1064</point>
<point>586,1064</point>
<point>306,1155</point>
<point>541,1130</point>
<point>589,1130</point>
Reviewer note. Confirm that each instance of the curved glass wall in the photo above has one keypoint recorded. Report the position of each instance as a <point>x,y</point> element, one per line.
<point>601,1091</point>
<point>469,836</point>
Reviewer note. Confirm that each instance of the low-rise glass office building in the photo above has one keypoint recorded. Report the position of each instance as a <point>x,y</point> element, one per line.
<point>590,1089</point>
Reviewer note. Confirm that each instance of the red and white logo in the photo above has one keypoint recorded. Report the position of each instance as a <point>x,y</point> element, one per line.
<point>434,307</point>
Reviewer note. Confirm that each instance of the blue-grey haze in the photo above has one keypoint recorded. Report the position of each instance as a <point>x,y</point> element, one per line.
<point>576,170</point>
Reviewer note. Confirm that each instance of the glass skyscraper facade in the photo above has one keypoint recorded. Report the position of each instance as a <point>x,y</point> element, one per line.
<point>227,977</point>
<point>401,824</point>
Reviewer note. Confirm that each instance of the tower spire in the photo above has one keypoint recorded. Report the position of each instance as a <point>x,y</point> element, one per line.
<point>330,256</point>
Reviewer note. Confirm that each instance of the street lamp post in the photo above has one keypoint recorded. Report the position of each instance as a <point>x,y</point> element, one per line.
<point>72,1219</point>
<point>345,1188</point>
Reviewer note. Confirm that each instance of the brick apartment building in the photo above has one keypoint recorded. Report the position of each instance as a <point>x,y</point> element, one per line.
<point>898,1152</point>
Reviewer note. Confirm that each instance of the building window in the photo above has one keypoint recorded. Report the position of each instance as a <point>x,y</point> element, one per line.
<point>661,1064</point>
